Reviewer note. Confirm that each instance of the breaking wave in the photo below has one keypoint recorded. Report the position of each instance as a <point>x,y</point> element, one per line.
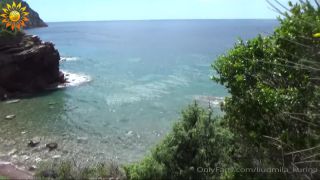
<point>69,59</point>
<point>74,79</point>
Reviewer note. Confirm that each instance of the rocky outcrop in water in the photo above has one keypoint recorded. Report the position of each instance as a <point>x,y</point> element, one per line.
<point>27,65</point>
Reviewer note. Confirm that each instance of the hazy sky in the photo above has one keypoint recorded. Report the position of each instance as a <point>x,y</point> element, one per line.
<point>93,10</point>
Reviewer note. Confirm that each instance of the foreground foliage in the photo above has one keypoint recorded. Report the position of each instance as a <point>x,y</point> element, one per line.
<point>196,144</point>
<point>274,103</point>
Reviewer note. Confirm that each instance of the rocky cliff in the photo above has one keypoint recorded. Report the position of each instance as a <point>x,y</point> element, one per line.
<point>27,65</point>
<point>35,20</point>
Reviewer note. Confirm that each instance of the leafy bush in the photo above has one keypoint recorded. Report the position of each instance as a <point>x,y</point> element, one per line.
<point>196,142</point>
<point>9,34</point>
<point>274,83</point>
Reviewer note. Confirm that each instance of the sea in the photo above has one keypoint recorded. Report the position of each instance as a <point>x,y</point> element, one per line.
<point>129,82</point>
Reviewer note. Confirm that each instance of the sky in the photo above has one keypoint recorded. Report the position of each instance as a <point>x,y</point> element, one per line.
<point>99,10</point>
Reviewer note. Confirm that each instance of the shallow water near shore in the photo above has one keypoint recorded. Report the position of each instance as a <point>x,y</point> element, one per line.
<point>138,77</point>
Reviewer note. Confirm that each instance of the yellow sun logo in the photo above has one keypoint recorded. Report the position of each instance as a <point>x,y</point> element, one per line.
<point>14,16</point>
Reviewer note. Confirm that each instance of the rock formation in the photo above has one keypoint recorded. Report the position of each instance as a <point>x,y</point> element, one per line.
<point>35,20</point>
<point>27,65</point>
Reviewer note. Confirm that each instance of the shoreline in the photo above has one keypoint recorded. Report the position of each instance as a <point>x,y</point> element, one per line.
<point>11,171</point>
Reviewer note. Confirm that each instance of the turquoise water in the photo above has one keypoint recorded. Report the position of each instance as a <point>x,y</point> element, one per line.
<point>142,73</point>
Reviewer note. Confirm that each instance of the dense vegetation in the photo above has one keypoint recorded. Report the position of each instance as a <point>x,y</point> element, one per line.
<point>198,141</point>
<point>274,83</point>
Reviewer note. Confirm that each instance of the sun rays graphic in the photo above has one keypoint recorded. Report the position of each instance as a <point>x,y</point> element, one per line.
<point>14,16</point>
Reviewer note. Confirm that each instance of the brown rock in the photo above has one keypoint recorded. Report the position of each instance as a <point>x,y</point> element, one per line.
<point>27,65</point>
<point>34,142</point>
<point>52,146</point>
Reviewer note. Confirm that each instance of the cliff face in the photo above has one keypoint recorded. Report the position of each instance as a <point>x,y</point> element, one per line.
<point>27,65</point>
<point>35,20</point>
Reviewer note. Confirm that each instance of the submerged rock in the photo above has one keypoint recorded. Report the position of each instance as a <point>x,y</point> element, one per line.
<point>10,117</point>
<point>52,146</point>
<point>32,168</point>
<point>124,120</point>
<point>34,142</point>
<point>49,174</point>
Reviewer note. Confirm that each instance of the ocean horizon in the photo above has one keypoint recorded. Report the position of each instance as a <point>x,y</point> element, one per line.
<point>123,20</point>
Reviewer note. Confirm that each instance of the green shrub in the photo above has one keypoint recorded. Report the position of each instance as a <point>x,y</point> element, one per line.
<point>274,87</point>
<point>196,142</point>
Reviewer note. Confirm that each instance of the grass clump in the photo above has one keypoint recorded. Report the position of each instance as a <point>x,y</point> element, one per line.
<point>3,178</point>
<point>70,171</point>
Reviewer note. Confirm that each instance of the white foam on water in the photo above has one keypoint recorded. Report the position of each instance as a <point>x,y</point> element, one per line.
<point>146,91</point>
<point>176,80</point>
<point>118,99</point>
<point>69,58</point>
<point>206,100</point>
<point>74,79</point>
